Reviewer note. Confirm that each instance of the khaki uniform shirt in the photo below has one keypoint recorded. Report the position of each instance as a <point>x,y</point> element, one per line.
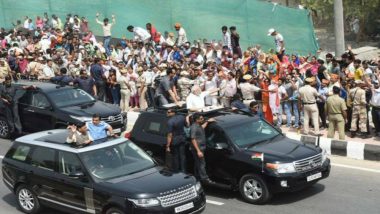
<point>308,94</point>
<point>247,90</point>
<point>356,97</point>
<point>4,71</point>
<point>335,105</point>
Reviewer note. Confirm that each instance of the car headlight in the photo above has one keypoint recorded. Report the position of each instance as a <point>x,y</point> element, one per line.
<point>80,118</point>
<point>198,186</point>
<point>281,167</point>
<point>145,202</point>
<point>324,155</point>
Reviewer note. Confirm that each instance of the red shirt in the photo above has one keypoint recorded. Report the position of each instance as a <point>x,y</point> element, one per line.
<point>154,34</point>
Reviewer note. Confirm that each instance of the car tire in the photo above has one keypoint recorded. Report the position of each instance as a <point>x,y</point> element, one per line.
<point>254,189</point>
<point>27,200</point>
<point>4,128</point>
<point>114,210</point>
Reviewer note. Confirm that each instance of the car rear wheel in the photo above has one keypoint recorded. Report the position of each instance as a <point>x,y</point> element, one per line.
<point>27,200</point>
<point>253,189</point>
<point>4,128</point>
<point>114,210</point>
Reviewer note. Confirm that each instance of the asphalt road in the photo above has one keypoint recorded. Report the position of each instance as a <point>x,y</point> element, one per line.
<point>353,187</point>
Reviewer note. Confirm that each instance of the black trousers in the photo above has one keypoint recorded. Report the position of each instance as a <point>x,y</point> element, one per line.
<point>178,158</point>
<point>376,118</point>
<point>199,166</point>
<point>322,115</point>
<point>101,90</point>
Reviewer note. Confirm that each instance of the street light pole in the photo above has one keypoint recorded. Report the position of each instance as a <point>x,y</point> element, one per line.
<point>339,28</point>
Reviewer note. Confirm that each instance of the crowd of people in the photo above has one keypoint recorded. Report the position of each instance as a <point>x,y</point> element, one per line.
<point>154,69</point>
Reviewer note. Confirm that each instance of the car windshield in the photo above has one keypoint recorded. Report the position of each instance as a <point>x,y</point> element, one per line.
<point>70,97</point>
<point>116,161</point>
<point>252,132</point>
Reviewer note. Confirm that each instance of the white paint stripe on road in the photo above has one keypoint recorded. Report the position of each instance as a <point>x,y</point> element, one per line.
<point>1,157</point>
<point>355,150</point>
<point>214,202</point>
<point>355,167</point>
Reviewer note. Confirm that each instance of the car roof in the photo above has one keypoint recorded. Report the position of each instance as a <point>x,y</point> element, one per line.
<point>225,117</point>
<point>44,86</point>
<point>56,139</point>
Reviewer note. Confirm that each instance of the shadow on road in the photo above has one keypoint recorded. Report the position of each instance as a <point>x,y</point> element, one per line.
<point>291,197</point>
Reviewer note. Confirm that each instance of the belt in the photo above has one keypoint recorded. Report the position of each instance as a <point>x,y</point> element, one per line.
<point>309,103</point>
<point>249,99</point>
<point>335,113</point>
<point>125,88</point>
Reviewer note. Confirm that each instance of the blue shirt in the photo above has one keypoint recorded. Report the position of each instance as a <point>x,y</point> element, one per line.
<point>97,131</point>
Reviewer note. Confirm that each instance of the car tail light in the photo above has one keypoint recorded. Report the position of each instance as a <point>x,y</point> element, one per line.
<point>127,135</point>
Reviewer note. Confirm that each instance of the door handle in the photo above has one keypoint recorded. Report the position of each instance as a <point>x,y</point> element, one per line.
<point>30,110</point>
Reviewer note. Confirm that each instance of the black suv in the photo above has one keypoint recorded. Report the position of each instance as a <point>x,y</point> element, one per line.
<point>243,153</point>
<point>111,177</point>
<point>51,106</point>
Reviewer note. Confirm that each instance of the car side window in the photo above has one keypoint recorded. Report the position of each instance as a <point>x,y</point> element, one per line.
<point>43,158</point>
<point>26,98</point>
<point>68,163</point>
<point>156,127</point>
<point>215,135</point>
<point>20,152</point>
<point>39,100</point>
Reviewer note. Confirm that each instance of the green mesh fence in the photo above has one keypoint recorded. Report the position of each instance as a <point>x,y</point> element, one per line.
<point>200,18</point>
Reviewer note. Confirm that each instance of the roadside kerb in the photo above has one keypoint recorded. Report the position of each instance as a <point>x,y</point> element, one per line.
<point>351,149</point>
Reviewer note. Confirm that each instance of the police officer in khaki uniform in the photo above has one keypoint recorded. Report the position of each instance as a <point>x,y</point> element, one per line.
<point>356,99</point>
<point>335,108</point>
<point>308,95</point>
<point>248,89</point>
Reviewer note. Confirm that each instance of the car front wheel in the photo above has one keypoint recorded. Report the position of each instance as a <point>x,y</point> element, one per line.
<point>114,210</point>
<point>27,200</point>
<point>253,189</point>
<point>4,128</point>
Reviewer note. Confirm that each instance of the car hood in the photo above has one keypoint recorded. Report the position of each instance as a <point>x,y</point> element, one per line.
<point>283,149</point>
<point>149,183</point>
<point>101,108</point>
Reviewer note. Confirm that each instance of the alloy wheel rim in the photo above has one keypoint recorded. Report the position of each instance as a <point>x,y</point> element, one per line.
<point>3,128</point>
<point>252,189</point>
<point>26,199</point>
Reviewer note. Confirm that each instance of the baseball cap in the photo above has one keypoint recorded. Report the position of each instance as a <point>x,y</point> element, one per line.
<point>270,31</point>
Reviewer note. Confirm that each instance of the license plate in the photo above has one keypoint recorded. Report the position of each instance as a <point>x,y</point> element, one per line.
<point>116,130</point>
<point>183,207</point>
<point>313,177</point>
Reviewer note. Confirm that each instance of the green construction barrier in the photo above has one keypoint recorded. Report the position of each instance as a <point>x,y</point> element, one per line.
<point>200,18</point>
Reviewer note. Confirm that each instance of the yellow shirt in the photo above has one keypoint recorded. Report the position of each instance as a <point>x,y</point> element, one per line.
<point>358,74</point>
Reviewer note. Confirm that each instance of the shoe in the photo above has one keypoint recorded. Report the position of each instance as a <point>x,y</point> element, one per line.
<point>353,134</point>
<point>207,181</point>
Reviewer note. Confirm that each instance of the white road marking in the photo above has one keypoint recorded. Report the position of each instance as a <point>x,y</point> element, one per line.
<point>355,167</point>
<point>214,202</point>
<point>1,157</point>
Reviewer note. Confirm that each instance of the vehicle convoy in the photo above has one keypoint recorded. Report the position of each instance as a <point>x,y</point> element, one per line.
<point>51,106</point>
<point>243,153</point>
<point>112,177</point>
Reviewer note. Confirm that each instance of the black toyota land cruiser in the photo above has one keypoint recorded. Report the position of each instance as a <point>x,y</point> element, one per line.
<point>51,106</point>
<point>112,177</point>
<point>244,153</point>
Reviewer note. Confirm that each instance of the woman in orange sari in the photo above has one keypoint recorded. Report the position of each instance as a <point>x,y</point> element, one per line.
<point>267,112</point>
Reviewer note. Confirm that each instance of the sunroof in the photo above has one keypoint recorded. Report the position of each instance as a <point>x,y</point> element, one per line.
<point>58,138</point>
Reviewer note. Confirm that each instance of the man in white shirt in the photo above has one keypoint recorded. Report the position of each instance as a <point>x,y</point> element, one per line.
<point>47,72</point>
<point>375,103</point>
<point>106,31</point>
<point>181,38</point>
<point>279,42</point>
<point>196,99</point>
<point>226,38</point>
<point>248,89</point>
<point>139,33</point>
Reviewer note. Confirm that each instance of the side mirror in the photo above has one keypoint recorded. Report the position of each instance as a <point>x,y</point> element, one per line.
<point>77,174</point>
<point>221,146</point>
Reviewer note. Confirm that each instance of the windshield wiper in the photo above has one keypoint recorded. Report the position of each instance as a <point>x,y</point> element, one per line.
<point>262,141</point>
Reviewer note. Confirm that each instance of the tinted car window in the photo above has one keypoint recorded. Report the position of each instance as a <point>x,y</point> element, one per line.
<point>26,98</point>
<point>251,132</point>
<point>116,161</point>
<point>215,136</point>
<point>43,158</point>
<point>20,152</point>
<point>70,97</point>
<point>39,100</point>
<point>156,128</point>
<point>68,163</point>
